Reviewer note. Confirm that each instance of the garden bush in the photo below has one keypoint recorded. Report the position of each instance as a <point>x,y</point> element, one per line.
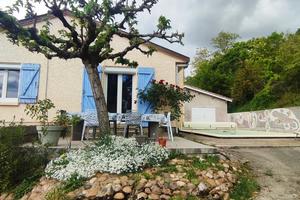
<point>111,154</point>
<point>19,167</point>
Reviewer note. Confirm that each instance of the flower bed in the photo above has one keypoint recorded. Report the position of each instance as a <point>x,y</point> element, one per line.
<point>111,154</point>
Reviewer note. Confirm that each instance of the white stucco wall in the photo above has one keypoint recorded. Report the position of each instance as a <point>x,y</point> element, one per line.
<point>205,101</point>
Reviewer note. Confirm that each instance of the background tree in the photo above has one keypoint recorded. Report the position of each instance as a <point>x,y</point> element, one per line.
<point>224,40</point>
<point>88,35</point>
<point>259,73</point>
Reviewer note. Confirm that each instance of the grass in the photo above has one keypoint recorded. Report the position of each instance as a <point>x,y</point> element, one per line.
<point>25,186</point>
<point>73,183</point>
<point>57,194</point>
<point>60,192</point>
<point>190,174</point>
<point>245,187</point>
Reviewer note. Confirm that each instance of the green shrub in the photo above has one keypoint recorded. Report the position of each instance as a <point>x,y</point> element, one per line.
<point>19,167</point>
<point>73,183</point>
<point>57,194</point>
<point>246,185</point>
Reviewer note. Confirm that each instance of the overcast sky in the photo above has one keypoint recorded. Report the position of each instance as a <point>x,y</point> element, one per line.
<point>201,20</point>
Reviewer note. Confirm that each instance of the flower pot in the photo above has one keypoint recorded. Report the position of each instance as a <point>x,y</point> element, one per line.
<point>77,131</point>
<point>50,136</point>
<point>162,142</point>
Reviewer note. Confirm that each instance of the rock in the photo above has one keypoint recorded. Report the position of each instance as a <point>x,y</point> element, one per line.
<point>153,196</point>
<point>211,182</point>
<point>160,183</point>
<point>173,186</point>
<point>226,165</point>
<point>127,190</point>
<point>180,183</point>
<point>142,195</point>
<point>141,184</point>
<point>183,194</point>
<point>221,174</point>
<point>150,183</point>
<point>176,192</point>
<point>131,182</point>
<point>92,180</point>
<point>107,190</point>
<point>119,195</point>
<point>3,196</point>
<point>87,186</point>
<point>166,191</point>
<point>90,193</point>
<point>209,174</point>
<point>226,196</point>
<point>220,181</point>
<point>164,197</point>
<point>117,182</point>
<point>147,190</point>
<point>202,188</point>
<point>116,187</point>
<point>102,178</point>
<point>190,187</point>
<point>231,177</point>
<point>216,196</point>
<point>155,189</point>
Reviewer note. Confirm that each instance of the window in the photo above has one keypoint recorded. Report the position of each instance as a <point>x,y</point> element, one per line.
<point>9,83</point>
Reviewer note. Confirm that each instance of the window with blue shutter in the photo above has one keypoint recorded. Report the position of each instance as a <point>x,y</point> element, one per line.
<point>145,77</point>
<point>29,83</point>
<point>88,102</point>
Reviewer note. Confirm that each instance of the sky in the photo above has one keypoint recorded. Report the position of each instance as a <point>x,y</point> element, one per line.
<point>201,20</point>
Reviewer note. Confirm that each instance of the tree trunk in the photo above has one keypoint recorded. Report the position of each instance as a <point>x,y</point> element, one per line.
<point>99,98</point>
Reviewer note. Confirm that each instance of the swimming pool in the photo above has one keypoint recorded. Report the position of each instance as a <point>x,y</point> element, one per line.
<point>240,133</point>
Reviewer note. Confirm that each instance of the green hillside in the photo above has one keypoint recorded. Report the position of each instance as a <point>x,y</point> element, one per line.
<point>259,73</point>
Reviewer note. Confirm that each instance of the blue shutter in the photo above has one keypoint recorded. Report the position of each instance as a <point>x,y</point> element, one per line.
<point>88,102</point>
<point>29,83</point>
<point>145,77</point>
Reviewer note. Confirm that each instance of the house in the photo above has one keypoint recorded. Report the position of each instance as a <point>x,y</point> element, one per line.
<point>205,106</point>
<point>26,77</point>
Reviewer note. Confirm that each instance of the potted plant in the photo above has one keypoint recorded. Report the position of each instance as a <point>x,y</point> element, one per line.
<point>48,132</point>
<point>162,141</point>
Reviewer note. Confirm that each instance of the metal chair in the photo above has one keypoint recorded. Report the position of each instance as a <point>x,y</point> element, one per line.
<point>132,119</point>
<point>168,125</point>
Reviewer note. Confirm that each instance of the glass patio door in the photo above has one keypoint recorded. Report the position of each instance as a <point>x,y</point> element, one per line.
<point>119,93</point>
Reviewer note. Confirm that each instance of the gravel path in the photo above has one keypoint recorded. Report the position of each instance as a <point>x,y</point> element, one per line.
<point>277,170</point>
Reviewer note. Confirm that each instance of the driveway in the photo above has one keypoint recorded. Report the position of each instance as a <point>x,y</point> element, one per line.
<point>277,170</point>
<point>276,162</point>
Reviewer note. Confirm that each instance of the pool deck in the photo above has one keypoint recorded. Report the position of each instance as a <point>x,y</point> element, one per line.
<point>179,144</point>
<point>255,134</point>
<point>243,142</point>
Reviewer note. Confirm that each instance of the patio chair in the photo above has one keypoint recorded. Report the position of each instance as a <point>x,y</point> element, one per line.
<point>168,125</point>
<point>132,119</point>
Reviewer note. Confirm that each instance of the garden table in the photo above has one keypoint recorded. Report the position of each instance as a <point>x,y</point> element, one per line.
<point>154,120</point>
<point>90,119</point>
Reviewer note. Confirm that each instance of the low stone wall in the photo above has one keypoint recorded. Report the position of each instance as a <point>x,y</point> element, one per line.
<point>279,119</point>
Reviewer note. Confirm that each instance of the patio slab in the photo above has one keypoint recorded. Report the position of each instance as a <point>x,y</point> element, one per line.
<point>189,147</point>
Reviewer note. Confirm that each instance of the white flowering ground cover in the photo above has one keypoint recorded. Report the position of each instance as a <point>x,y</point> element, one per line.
<point>111,154</point>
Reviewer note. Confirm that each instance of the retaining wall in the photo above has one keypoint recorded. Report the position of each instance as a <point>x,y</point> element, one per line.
<point>279,119</point>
